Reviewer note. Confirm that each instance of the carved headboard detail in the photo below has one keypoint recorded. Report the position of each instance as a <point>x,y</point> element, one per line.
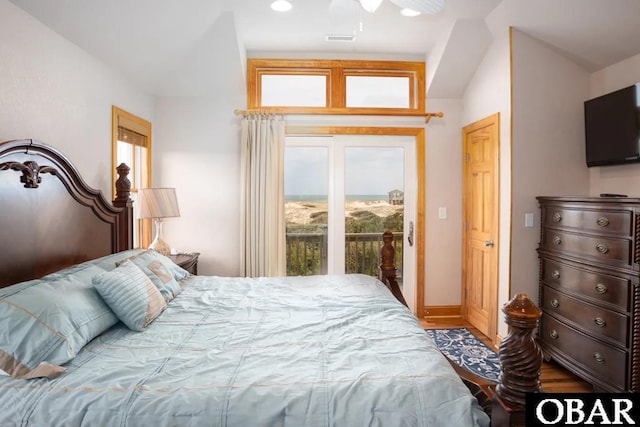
<point>30,172</point>
<point>48,222</point>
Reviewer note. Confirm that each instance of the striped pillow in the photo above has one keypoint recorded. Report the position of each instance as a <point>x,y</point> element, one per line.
<point>131,295</point>
<point>166,275</point>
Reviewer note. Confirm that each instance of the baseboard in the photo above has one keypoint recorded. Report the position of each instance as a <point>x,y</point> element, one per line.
<point>442,311</point>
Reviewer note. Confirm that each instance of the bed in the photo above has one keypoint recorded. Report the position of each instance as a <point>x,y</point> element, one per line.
<point>98,334</point>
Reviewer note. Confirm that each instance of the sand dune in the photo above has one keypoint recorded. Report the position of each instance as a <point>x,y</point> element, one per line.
<point>300,212</point>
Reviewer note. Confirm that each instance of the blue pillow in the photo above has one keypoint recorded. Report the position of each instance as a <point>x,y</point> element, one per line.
<point>163,272</point>
<point>130,294</point>
<point>45,322</point>
<point>108,262</point>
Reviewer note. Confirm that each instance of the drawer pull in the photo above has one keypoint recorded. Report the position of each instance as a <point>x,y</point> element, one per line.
<point>555,274</point>
<point>557,217</point>
<point>554,303</point>
<point>599,358</point>
<point>600,288</point>
<point>553,334</point>
<point>557,240</point>
<point>599,321</point>
<point>603,222</point>
<point>603,249</point>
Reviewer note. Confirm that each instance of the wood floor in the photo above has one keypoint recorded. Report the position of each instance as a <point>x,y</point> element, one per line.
<point>554,378</point>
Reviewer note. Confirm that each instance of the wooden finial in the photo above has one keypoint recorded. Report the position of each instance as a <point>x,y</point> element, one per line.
<point>123,185</point>
<point>520,356</point>
<point>388,267</point>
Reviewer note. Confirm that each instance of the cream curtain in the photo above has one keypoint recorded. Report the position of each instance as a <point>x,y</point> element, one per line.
<point>263,222</point>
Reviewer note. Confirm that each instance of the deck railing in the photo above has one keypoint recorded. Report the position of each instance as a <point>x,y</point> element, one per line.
<point>307,253</point>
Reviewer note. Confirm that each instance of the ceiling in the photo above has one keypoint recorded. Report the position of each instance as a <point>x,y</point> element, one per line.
<point>191,47</point>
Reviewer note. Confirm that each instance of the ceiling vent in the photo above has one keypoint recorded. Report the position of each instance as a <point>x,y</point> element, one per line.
<point>339,37</point>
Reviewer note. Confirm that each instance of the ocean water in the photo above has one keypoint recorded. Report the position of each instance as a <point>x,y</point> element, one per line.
<point>323,198</point>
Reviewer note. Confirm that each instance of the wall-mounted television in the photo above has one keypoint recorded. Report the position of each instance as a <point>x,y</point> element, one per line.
<point>612,127</point>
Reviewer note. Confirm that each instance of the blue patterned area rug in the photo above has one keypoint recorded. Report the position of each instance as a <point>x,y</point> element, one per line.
<point>467,351</point>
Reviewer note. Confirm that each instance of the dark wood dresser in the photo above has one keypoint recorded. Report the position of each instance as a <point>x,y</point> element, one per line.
<point>589,255</point>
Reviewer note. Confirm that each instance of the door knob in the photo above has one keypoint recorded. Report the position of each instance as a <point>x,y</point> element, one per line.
<point>488,243</point>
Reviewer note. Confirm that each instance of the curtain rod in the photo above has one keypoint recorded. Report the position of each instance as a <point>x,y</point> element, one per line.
<point>239,112</point>
<point>428,116</point>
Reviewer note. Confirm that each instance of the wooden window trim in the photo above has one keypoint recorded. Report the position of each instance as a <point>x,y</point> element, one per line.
<point>122,118</point>
<point>337,71</point>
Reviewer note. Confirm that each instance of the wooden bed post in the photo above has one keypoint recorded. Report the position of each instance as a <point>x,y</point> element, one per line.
<point>520,362</point>
<point>387,273</point>
<point>123,200</point>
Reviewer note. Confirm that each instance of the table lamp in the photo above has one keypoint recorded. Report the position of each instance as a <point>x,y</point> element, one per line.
<point>158,203</point>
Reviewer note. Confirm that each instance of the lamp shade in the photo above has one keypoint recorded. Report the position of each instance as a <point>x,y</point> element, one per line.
<point>158,203</point>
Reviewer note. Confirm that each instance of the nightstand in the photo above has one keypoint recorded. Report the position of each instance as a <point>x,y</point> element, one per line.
<point>188,261</point>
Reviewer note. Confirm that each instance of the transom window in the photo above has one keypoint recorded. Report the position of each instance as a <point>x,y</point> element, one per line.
<point>336,86</point>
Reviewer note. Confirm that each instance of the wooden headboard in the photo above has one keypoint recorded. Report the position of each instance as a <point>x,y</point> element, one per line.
<point>50,218</point>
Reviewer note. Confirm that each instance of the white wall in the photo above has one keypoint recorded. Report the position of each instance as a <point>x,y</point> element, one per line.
<point>623,179</point>
<point>547,145</point>
<point>489,93</point>
<point>443,249</point>
<point>197,148</point>
<point>53,91</point>
<point>197,151</point>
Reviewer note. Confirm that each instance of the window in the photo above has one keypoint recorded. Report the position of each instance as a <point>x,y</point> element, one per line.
<point>378,91</point>
<point>336,86</point>
<point>131,144</point>
<point>293,90</point>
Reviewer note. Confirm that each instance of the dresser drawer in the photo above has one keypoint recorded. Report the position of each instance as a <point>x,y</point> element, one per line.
<point>601,361</point>
<point>606,250</point>
<point>602,221</point>
<point>607,324</point>
<point>599,288</point>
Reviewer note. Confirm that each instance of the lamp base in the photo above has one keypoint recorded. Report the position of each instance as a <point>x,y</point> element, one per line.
<point>158,244</point>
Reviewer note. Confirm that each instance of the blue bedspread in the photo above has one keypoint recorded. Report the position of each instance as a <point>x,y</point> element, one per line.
<point>306,351</point>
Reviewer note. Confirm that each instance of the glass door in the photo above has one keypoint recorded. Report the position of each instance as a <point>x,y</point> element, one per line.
<point>342,192</point>
<point>307,208</point>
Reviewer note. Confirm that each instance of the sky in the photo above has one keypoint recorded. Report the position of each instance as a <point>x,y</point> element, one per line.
<point>368,170</point>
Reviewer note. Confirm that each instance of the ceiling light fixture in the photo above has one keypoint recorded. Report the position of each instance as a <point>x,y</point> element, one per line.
<point>370,5</point>
<point>281,6</point>
<point>409,12</point>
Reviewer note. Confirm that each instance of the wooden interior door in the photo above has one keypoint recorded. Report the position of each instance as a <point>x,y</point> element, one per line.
<point>481,145</point>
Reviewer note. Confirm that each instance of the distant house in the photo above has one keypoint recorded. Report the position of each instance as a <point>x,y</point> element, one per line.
<point>396,197</point>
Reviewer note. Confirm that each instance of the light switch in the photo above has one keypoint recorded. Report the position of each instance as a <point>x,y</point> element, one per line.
<point>442,213</point>
<point>528,220</point>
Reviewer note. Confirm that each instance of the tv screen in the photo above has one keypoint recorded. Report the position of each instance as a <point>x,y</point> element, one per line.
<point>612,127</point>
